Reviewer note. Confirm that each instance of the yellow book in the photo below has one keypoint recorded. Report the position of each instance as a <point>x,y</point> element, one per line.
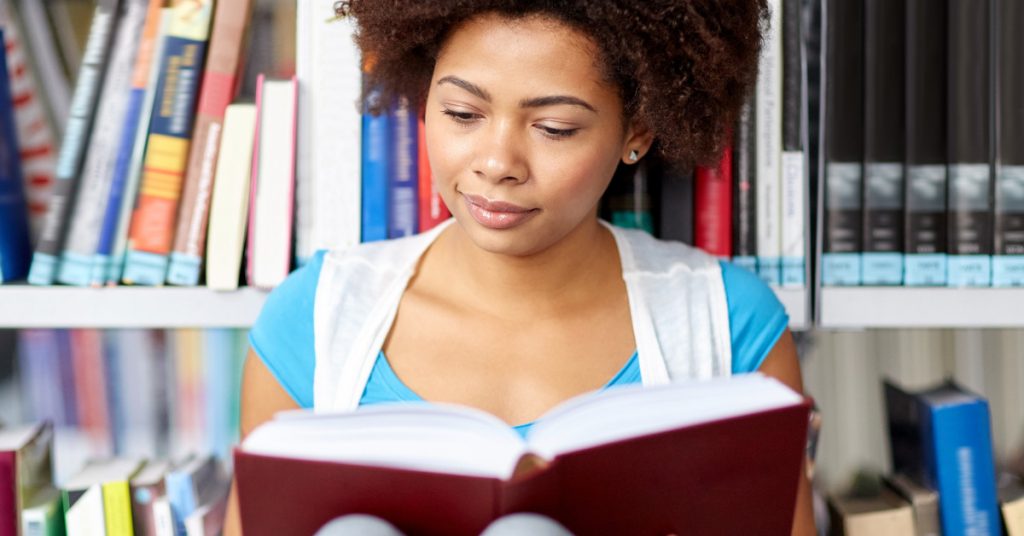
<point>117,508</point>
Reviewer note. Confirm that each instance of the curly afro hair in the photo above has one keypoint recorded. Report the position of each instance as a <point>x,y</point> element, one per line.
<point>682,67</point>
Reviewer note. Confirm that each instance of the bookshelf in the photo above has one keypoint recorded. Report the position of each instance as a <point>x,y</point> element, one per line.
<point>24,306</point>
<point>905,307</point>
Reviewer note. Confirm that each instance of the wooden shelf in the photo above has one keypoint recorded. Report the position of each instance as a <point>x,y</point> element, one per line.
<point>24,306</point>
<point>921,307</point>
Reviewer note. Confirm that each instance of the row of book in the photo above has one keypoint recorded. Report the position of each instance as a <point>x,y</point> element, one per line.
<point>112,496</point>
<point>143,196</point>
<point>924,143</point>
<point>945,477</point>
<point>132,393</point>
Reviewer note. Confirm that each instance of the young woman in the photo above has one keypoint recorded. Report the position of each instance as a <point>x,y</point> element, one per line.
<point>527,299</point>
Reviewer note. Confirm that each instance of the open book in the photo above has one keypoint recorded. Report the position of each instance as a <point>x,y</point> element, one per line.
<point>680,458</point>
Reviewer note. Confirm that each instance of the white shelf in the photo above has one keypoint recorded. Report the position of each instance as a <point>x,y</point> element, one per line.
<point>23,306</point>
<point>797,306</point>
<point>903,307</point>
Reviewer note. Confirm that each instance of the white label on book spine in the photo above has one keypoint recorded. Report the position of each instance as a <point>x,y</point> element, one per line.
<point>769,151</point>
<point>794,230</point>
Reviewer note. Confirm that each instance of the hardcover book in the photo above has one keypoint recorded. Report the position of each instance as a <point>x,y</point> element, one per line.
<point>629,460</point>
<point>744,241</point>
<point>76,138</point>
<point>1008,259</point>
<point>926,229</point>
<point>844,144</point>
<point>969,138</point>
<point>884,140</point>
<point>170,136</point>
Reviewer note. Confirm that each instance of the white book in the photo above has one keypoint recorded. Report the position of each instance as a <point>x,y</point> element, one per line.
<point>272,188</point>
<point>229,206</point>
<point>97,174</point>
<point>794,219</point>
<point>328,181</point>
<point>769,150</point>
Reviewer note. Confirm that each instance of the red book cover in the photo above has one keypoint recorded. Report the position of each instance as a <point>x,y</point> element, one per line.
<point>713,207</point>
<point>684,481</point>
<point>8,492</point>
<point>432,209</point>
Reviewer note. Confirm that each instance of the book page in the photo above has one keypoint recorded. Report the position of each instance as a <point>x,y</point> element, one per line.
<point>631,411</point>
<point>427,437</point>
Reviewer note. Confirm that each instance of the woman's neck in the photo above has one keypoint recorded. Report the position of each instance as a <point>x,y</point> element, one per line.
<point>558,279</point>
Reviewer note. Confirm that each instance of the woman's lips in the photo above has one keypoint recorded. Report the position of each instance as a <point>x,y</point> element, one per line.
<point>497,215</point>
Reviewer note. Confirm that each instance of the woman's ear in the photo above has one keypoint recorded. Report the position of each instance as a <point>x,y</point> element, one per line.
<point>638,141</point>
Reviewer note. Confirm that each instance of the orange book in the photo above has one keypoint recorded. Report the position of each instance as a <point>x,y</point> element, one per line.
<point>156,208</point>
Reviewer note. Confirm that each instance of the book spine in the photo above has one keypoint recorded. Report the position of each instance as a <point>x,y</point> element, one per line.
<point>230,204</point>
<point>83,511</point>
<point>117,508</point>
<point>42,44</point>
<point>220,83</point>
<point>793,175</point>
<point>76,137</point>
<point>844,145</point>
<point>337,135</point>
<point>1008,259</point>
<point>9,492</point>
<point>131,157</point>
<point>36,136</point>
<point>97,174</point>
<point>15,248</point>
<point>375,173</point>
<point>254,176</point>
<point>959,450</point>
<point>713,200</point>
<point>970,181</point>
<point>402,186</point>
<point>432,209</point>
<point>745,185</point>
<point>884,141</point>
<point>925,231</point>
<point>170,135</point>
<point>271,250</point>
<point>631,206</point>
<point>769,151</point>
<point>306,73</point>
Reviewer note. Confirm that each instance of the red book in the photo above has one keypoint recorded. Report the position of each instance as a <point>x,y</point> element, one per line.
<point>25,468</point>
<point>670,459</point>
<point>432,209</point>
<point>713,207</point>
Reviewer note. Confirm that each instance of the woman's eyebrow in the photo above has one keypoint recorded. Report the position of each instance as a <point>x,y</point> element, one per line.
<point>536,102</point>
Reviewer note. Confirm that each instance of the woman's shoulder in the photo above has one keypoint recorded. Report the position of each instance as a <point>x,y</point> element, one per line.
<point>756,317</point>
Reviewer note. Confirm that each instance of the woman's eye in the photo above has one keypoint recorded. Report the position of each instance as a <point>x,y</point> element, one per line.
<point>557,133</point>
<point>460,117</point>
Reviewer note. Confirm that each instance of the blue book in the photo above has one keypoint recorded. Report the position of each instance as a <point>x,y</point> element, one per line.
<point>111,217</point>
<point>942,438</point>
<point>403,183</point>
<point>15,246</point>
<point>376,163</point>
<point>190,485</point>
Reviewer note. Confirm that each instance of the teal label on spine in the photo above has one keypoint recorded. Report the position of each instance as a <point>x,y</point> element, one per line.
<point>750,263</point>
<point>769,269</point>
<point>925,270</point>
<point>75,269</point>
<point>970,270</point>
<point>184,270</point>
<point>1008,271</point>
<point>143,268</point>
<point>43,270</point>
<point>840,269</point>
<point>794,273</point>
<point>100,267</point>
<point>882,268</point>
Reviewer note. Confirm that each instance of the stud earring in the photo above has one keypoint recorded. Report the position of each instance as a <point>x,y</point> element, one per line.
<point>633,156</point>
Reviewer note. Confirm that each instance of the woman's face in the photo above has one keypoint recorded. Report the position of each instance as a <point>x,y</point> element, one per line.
<point>523,133</point>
